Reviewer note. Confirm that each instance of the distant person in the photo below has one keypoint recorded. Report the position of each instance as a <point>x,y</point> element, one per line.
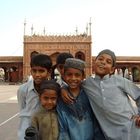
<point>119,71</point>
<point>109,98</point>
<point>126,73</point>
<point>45,120</point>
<point>130,77</point>
<point>27,94</point>
<point>77,121</point>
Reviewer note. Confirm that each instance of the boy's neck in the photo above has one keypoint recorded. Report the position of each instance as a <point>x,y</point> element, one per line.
<point>103,76</point>
<point>74,92</point>
<point>37,87</point>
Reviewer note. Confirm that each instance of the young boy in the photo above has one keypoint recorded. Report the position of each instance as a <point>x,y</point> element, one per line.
<point>77,122</point>
<point>27,93</point>
<point>109,98</point>
<point>60,61</point>
<point>45,120</point>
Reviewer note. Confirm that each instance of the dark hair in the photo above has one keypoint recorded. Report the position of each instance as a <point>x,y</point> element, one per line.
<point>49,84</point>
<point>41,60</point>
<point>34,53</point>
<point>62,57</point>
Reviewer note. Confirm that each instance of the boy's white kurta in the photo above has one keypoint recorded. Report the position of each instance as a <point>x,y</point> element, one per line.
<point>109,100</point>
<point>28,101</point>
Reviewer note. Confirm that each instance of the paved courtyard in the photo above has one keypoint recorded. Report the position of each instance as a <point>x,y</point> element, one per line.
<point>8,112</point>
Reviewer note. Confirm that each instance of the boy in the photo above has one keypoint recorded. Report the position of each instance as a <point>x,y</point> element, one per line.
<point>27,93</point>
<point>77,122</point>
<point>45,120</point>
<point>60,61</point>
<point>108,96</point>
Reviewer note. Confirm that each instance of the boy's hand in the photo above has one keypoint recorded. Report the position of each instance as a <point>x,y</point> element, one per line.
<point>137,120</point>
<point>66,97</point>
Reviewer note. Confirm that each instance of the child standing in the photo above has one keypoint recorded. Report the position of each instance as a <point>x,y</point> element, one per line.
<point>45,120</point>
<point>27,93</point>
<point>108,96</point>
<point>77,122</point>
<point>60,61</point>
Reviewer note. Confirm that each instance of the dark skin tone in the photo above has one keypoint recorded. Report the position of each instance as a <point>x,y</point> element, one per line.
<point>103,66</point>
<point>39,74</point>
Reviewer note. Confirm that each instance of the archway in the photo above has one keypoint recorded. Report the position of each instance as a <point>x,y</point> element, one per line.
<point>2,75</point>
<point>136,74</point>
<point>80,55</point>
<point>13,74</point>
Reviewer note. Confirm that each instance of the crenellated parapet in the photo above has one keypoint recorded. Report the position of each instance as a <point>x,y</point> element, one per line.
<point>83,38</point>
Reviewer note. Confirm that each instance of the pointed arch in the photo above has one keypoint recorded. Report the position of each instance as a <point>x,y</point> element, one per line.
<point>80,55</point>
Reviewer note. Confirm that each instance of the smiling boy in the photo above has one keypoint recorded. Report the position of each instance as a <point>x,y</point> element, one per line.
<point>27,94</point>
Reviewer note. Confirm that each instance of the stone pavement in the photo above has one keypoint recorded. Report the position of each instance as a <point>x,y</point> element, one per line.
<point>9,113</point>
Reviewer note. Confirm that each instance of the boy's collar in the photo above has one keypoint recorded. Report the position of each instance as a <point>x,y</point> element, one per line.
<point>31,85</point>
<point>104,78</point>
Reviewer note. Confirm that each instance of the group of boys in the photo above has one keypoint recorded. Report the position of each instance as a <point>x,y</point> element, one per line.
<point>89,109</point>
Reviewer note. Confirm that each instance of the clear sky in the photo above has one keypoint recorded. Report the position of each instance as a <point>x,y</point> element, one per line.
<point>115,23</point>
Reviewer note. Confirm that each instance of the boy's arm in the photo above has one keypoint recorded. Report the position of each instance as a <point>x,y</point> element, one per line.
<point>63,132</point>
<point>130,89</point>
<point>21,97</point>
<point>134,92</point>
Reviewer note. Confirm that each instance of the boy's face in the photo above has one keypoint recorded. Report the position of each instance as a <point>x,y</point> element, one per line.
<point>48,99</point>
<point>104,65</point>
<point>73,77</point>
<point>39,74</point>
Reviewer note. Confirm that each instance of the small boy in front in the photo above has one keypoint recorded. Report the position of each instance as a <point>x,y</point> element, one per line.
<point>45,119</point>
<point>109,98</point>
<point>77,122</point>
<point>27,94</point>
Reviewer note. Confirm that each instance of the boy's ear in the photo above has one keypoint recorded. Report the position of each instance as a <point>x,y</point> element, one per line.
<point>112,70</point>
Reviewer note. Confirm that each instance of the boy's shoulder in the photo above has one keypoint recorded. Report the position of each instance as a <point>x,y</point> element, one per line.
<point>25,86</point>
<point>117,77</point>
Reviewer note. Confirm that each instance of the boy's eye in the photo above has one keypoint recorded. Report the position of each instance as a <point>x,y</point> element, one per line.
<point>68,74</point>
<point>100,58</point>
<point>109,62</point>
<point>33,70</point>
<point>78,74</point>
<point>41,71</point>
<point>53,98</point>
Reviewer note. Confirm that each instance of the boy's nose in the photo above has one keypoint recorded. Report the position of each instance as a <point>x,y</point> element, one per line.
<point>37,73</point>
<point>49,100</point>
<point>103,61</point>
<point>73,77</point>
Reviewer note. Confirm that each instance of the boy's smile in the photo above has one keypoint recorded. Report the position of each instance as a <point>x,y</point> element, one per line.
<point>49,99</point>
<point>104,65</point>
<point>39,74</point>
<point>73,78</point>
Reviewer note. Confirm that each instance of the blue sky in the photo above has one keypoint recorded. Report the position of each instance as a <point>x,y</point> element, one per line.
<point>115,23</point>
